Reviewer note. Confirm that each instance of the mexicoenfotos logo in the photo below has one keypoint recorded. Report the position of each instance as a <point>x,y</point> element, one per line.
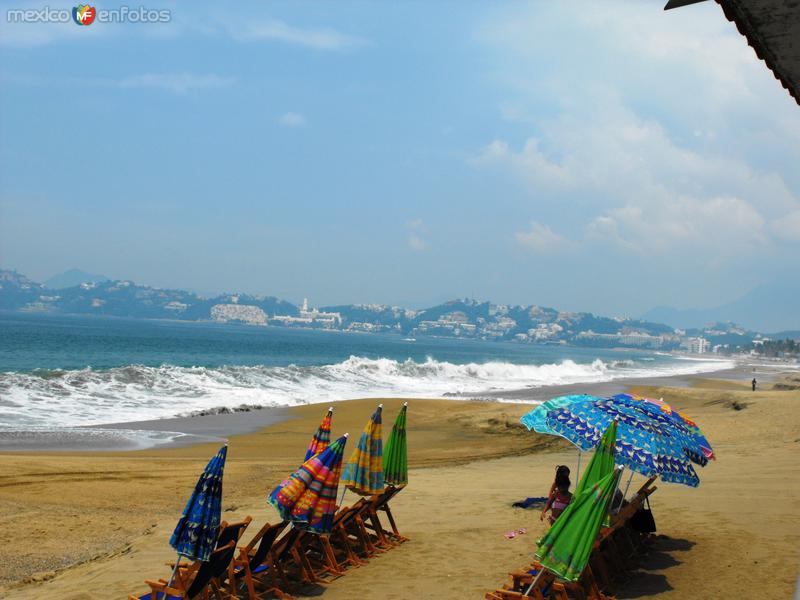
<point>83,14</point>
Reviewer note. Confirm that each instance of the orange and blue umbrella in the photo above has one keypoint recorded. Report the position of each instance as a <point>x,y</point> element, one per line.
<point>308,497</point>
<point>644,445</point>
<point>322,437</point>
<point>662,409</point>
<point>363,472</point>
<point>195,535</point>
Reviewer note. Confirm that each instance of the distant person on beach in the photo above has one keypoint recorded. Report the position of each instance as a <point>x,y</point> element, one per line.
<point>754,384</point>
<point>560,496</point>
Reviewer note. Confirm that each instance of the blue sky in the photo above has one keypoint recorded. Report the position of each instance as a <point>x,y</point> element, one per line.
<point>590,156</point>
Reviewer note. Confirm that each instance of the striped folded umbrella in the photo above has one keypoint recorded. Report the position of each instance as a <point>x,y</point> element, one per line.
<point>307,497</point>
<point>395,458</point>
<point>195,535</point>
<point>322,437</point>
<point>363,473</point>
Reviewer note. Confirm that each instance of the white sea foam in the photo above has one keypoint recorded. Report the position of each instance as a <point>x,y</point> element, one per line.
<point>47,398</point>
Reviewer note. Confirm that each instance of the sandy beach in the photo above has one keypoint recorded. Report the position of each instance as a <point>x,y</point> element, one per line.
<point>94,525</point>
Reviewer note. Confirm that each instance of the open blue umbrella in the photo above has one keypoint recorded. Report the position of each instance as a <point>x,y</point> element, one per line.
<point>643,444</point>
<point>195,535</point>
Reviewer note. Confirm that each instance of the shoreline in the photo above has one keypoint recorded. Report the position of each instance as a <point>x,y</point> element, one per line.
<point>177,432</point>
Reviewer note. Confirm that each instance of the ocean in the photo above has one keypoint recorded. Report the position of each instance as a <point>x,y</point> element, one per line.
<point>66,371</point>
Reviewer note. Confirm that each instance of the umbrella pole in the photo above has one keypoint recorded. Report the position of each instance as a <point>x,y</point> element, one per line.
<point>578,476</point>
<point>341,500</point>
<point>174,572</point>
<point>616,489</point>
<point>534,582</point>
<point>627,487</point>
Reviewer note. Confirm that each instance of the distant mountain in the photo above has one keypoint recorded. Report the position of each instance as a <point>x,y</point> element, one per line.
<point>462,318</point>
<point>770,308</point>
<point>71,278</point>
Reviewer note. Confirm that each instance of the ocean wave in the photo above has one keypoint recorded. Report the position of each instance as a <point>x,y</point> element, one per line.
<point>133,393</point>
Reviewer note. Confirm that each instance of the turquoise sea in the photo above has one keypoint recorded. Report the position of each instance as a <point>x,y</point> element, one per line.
<point>68,371</point>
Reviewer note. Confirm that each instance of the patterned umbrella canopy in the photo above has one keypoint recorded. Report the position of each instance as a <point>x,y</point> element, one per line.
<point>322,437</point>
<point>602,462</point>
<point>363,473</point>
<point>643,444</point>
<point>537,418</point>
<point>308,497</point>
<point>661,408</point>
<point>566,547</point>
<point>395,459</point>
<point>195,534</point>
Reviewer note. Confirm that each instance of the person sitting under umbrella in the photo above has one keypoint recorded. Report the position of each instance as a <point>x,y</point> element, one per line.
<point>560,495</point>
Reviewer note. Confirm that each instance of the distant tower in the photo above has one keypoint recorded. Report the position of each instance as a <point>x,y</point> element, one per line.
<point>305,304</point>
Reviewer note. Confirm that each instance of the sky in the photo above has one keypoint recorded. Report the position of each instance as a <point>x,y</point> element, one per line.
<point>607,157</point>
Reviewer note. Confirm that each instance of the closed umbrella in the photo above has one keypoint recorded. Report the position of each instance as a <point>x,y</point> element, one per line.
<point>195,535</point>
<point>363,472</point>
<point>602,461</point>
<point>395,456</point>
<point>322,437</point>
<point>564,550</point>
<point>307,497</point>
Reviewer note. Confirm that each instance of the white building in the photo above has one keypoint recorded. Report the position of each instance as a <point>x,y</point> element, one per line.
<point>696,345</point>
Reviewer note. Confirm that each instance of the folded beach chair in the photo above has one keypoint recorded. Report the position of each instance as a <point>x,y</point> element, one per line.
<point>289,557</point>
<point>380,503</point>
<point>197,580</point>
<point>338,550</point>
<point>255,566</point>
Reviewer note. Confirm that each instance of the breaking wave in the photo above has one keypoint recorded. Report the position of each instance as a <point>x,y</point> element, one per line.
<point>46,398</point>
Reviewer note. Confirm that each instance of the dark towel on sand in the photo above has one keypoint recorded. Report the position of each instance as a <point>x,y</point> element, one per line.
<point>531,503</point>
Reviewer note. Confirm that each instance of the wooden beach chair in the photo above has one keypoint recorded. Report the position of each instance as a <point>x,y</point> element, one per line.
<point>256,567</point>
<point>197,580</point>
<point>232,532</point>
<point>289,556</point>
<point>380,503</point>
<point>586,588</point>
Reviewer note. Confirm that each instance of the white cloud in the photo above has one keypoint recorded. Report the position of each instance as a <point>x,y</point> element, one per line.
<point>541,238</point>
<point>416,243</point>
<point>292,119</point>
<point>178,83</point>
<point>788,227</point>
<point>637,187</point>
<point>319,38</point>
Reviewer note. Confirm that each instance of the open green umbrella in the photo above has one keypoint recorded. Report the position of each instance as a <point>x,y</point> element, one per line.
<point>363,473</point>
<point>602,461</point>
<point>564,550</point>
<point>395,456</point>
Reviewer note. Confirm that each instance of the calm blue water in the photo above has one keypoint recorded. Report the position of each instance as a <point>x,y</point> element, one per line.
<point>85,370</point>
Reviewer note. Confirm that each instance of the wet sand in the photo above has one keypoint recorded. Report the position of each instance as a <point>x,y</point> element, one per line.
<point>469,461</point>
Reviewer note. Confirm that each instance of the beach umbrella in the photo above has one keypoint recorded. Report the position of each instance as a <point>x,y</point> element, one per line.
<point>602,461</point>
<point>643,444</point>
<point>663,409</point>
<point>307,497</point>
<point>564,550</point>
<point>395,458</point>
<point>322,437</point>
<point>195,535</point>
<point>363,472</point>
<point>537,418</point>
